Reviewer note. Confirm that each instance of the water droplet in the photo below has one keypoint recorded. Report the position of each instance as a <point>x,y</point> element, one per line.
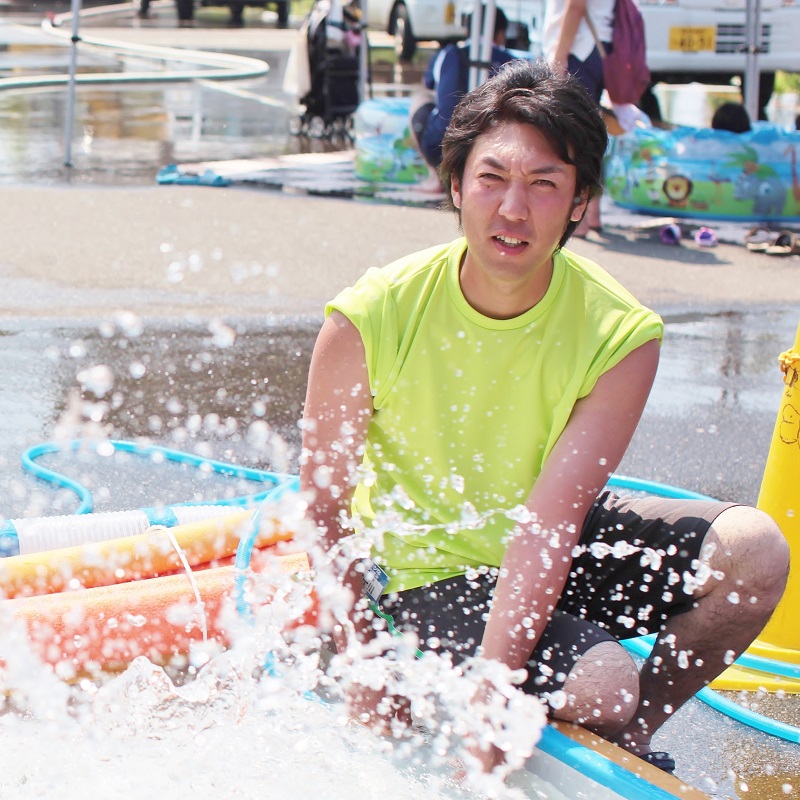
<point>99,380</point>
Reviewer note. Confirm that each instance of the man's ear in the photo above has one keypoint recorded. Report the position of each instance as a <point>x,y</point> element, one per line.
<point>455,191</point>
<point>579,204</point>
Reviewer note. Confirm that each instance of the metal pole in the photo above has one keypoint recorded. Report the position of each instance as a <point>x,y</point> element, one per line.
<point>487,42</point>
<point>363,54</point>
<point>752,48</point>
<point>73,66</point>
<point>474,43</point>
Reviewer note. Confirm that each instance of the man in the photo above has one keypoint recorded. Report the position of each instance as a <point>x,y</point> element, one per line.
<point>447,81</point>
<point>482,392</point>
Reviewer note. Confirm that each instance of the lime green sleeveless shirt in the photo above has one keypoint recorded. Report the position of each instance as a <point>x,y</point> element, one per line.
<point>467,408</point>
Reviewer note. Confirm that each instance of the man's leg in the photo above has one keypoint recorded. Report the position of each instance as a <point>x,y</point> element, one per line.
<point>237,13</point>
<point>748,562</point>
<point>601,692</point>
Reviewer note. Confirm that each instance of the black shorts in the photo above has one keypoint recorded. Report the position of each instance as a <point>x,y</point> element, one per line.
<point>590,72</point>
<point>627,579</point>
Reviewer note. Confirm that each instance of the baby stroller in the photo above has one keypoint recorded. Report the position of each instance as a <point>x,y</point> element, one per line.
<point>328,84</point>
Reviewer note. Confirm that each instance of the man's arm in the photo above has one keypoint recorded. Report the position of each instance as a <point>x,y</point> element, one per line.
<point>337,413</point>
<point>537,561</point>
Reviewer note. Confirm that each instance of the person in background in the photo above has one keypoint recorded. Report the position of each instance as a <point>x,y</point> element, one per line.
<point>472,400</point>
<point>447,80</point>
<point>570,46</point>
<point>731,117</point>
<point>237,13</point>
<point>184,9</point>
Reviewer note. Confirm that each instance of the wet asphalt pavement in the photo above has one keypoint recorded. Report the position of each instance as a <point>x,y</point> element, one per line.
<point>707,427</point>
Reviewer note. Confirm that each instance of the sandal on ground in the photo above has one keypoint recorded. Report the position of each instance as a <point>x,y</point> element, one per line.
<point>785,244</point>
<point>705,237</point>
<point>670,234</point>
<point>660,759</point>
<point>174,174</point>
<point>758,239</point>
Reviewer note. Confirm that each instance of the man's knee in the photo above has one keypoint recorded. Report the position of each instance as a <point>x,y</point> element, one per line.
<point>602,689</point>
<point>753,555</point>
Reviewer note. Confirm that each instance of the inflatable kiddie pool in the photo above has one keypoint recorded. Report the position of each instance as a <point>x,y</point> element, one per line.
<point>691,172</point>
<point>384,152</point>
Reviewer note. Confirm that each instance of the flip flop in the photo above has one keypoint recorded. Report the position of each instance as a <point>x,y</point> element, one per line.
<point>785,244</point>
<point>172,174</point>
<point>705,237</point>
<point>664,761</point>
<point>211,178</point>
<point>670,234</point>
<point>168,174</point>
<point>758,239</point>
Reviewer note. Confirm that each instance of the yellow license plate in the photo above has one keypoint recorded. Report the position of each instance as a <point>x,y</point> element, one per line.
<point>693,40</point>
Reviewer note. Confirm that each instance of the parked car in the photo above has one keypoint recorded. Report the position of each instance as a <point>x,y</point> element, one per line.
<point>705,40</point>
<point>412,21</point>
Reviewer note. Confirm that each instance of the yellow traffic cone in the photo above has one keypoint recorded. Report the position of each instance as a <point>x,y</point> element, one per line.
<point>780,498</point>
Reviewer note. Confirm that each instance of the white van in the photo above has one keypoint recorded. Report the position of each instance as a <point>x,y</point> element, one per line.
<point>705,40</point>
<point>410,21</point>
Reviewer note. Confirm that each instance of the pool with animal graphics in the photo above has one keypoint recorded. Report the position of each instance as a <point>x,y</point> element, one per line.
<point>690,172</point>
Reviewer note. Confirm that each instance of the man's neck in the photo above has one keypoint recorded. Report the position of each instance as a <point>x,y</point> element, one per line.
<point>503,299</point>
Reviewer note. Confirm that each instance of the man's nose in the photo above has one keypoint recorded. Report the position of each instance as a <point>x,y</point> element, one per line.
<point>515,201</point>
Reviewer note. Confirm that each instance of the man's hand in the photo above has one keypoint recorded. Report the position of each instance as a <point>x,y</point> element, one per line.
<point>378,711</point>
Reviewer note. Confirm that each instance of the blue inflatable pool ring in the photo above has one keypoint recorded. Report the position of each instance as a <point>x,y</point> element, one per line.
<point>700,172</point>
<point>384,151</point>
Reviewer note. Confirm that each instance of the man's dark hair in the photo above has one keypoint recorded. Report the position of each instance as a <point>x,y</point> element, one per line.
<point>532,94</point>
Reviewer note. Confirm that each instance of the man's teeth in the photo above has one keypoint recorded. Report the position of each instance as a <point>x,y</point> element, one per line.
<point>509,240</point>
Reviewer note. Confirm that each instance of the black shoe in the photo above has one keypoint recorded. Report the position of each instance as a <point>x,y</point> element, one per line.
<point>664,761</point>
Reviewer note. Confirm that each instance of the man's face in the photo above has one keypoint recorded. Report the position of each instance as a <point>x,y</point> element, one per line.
<point>516,198</point>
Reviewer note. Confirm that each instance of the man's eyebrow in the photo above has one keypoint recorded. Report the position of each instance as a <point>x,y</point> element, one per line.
<point>545,169</point>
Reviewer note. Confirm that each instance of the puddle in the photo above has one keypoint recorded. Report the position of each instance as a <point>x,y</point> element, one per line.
<point>125,133</point>
<point>725,361</point>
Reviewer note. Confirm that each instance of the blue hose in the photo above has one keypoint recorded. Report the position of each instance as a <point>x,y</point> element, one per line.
<point>146,451</point>
<point>51,476</point>
<point>657,489</point>
<point>278,482</point>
